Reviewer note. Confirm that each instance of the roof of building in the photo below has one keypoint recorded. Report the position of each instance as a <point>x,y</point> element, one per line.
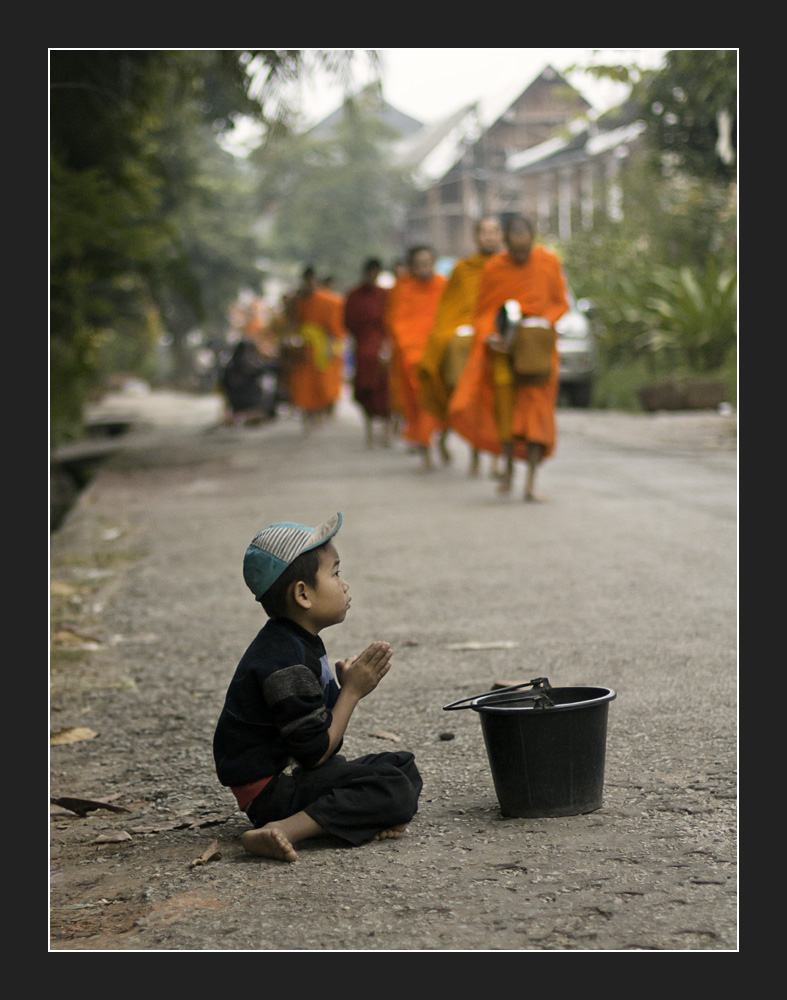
<point>438,147</point>
<point>433,150</point>
<point>582,143</point>
<point>402,124</point>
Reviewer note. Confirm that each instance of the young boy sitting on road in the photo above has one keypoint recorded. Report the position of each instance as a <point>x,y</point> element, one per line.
<point>285,716</point>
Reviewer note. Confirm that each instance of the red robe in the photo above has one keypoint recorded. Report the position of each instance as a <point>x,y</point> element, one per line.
<point>475,407</point>
<point>364,319</point>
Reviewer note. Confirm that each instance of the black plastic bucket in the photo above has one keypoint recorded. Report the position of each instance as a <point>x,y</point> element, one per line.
<point>546,747</point>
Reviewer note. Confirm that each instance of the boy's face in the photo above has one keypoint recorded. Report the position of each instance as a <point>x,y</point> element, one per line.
<point>330,597</point>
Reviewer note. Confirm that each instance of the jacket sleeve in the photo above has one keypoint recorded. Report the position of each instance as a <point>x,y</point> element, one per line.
<point>296,702</point>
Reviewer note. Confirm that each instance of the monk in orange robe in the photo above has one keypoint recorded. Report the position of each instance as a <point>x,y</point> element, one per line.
<point>488,408</point>
<point>410,315</point>
<point>314,384</point>
<point>336,368</point>
<point>453,324</point>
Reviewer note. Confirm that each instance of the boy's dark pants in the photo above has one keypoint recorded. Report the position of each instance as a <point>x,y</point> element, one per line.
<point>351,799</point>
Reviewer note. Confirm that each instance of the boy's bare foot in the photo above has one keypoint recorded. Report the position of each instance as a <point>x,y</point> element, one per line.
<point>394,833</point>
<point>532,498</point>
<point>268,842</point>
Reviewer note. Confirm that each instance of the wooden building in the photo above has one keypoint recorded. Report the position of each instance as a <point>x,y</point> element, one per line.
<point>460,167</point>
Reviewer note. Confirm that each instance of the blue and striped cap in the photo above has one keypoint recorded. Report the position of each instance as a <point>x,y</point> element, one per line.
<point>273,549</point>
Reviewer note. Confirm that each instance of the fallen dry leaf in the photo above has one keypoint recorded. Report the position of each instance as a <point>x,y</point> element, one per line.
<point>83,806</point>
<point>209,821</point>
<point>183,824</point>
<point>209,854</point>
<point>386,736</point>
<point>75,734</point>
<point>482,645</point>
<point>112,838</point>
<point>68,635</point>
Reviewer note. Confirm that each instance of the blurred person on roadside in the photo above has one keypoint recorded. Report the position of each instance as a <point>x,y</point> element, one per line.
<point>449,343</point>
<point>410,315</point>
<point>241,385</point>
<point>314,379</point>
<point>364,320</point>
<point>488,408</point>
<point>337,368</point>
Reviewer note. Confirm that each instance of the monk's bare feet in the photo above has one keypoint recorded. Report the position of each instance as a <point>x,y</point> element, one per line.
<point>504,486</point>
<point>532,498</point>
<point>394,833</point>
<point>427,465</point>
<point>268,842</point>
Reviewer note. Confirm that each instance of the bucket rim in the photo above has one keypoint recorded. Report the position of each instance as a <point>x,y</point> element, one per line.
<point>607,694</point>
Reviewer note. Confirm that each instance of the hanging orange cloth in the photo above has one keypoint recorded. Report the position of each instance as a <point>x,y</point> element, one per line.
<point>456,309</point>
<point>487,409</point>
<point>315,383</point>
<point>410,315</point>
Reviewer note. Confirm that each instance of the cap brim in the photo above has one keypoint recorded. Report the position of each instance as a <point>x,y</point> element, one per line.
<point>325,531</point>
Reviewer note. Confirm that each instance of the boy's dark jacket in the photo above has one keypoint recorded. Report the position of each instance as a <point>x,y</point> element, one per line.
<point>278,706</point>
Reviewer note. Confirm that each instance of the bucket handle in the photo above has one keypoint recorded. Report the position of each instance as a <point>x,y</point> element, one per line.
<point>539,685</point>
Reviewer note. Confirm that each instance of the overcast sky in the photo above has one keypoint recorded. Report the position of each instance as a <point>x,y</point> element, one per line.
<point>432,83</point>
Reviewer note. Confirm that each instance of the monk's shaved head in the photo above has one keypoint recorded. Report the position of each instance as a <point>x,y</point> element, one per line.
<point>488,235</point>
<point>519,239</point>
<point>518,225</point>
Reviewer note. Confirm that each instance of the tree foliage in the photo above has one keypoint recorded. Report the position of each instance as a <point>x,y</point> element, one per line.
<point>664,278</point>
<point>333,196</point>
<point>691,110</point>
<point>150,227</point>
<point>690,106</point>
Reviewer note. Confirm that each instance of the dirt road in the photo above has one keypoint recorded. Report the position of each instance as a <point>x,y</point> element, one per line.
<point>625,577</point>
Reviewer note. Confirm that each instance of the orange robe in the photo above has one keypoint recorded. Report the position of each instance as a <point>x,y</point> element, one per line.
<point>315,383</point>
<point>457,308</point>
<point>486,385</point>
<point>336,368</point>
<point>410,315</point>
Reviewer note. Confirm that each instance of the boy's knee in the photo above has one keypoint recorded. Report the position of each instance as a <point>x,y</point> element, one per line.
<point>406,789</point>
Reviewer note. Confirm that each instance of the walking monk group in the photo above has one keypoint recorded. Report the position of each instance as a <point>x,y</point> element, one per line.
<point>488,408</point>
<point>410,316</point>
<point>449,343</point>
<point>315,382</point>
